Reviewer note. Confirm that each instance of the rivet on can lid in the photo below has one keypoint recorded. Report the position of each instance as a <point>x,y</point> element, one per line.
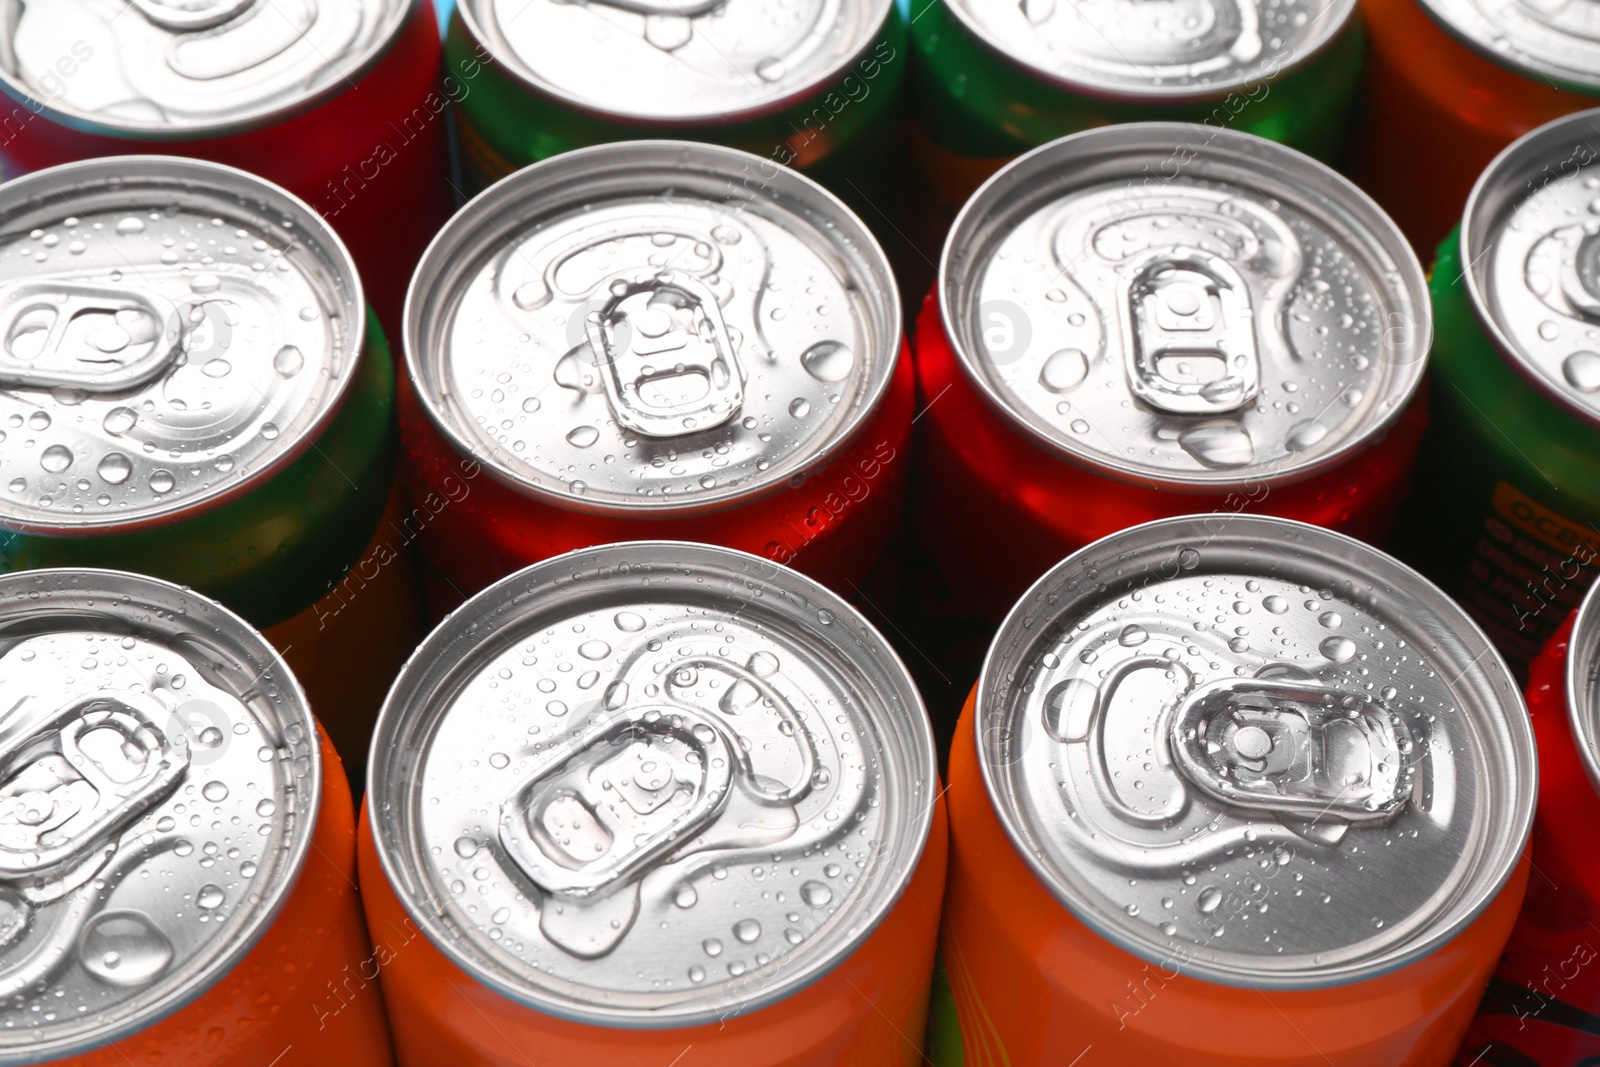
<point>1546,42</point>
<point>1260,752</point>
<point>660,61</point>
<point>1531,241</point>
<point>170,332</point>
<point>183,69</point>
<point>1185,306</point>
<point>631,328</point>
<point>1155,52</point>
<point>647,784</point>
<point>159,782</point>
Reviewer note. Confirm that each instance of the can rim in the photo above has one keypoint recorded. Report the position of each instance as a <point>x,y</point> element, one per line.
<point>1494,194</point>
<point>1583,684</point>
<point>249,122</point>
<point>421,682</point>
<point>331,251</point>
<point>1335,553</point>
<point>1342,10</point>
<point>501,209</point>
<point>1076,157</point>
<point>245,636</point>
<point>1513,59</point>
<point>883,10</point>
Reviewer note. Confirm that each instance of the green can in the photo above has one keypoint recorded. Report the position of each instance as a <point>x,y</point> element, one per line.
<point>192,387</point>
<point>993,80</point>
<point>1505,508</point>
<point>809,84</point>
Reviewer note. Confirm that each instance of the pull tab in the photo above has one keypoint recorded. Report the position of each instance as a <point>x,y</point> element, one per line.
<point>1293,749</point>
<point>674,370</point>
<point>51,341</point>
<point>616,797</point>
<point>186,17</point>
<point>80,778</point>
<point>1189,333</point>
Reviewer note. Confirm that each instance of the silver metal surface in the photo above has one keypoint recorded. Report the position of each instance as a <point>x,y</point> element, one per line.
<point>1264,753</point>
<point>188,68</point>
<point>1168,51</point>
<point>1583,685</point>
<point>171,332</point>
<point>159,782</point>
<point>660,61</point>
<point>1548,42</point>
<point>1531,241</point>
<point>1184,306</point>
<point>652,326</point>
<point>647,784</point>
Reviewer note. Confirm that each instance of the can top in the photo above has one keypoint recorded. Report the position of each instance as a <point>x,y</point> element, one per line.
<point>188,68</point>
<point>1583,684</point>
<point>171,332</point>
<point>1256,751</point>
<point>1531,241</point>
<point>649,784</point>
<point>652,326</point>
<point>159,784</point>
<point>658,61</point>
<point>1186,306</point>
<point>1155,53</point>
<point>1548,42</point>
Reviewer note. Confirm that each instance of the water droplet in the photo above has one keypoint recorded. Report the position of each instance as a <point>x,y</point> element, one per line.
<point>288,361</point>
<point>216,368</point>
<point>56,459</point>
<point>1352,397</point>
<point>1038,11</point>
<point>130,225</point>
<point>697,973</point>
<point>616,695</point>
<point>531,405</point>
<point>161,480</point>
<point>205,283</point>
<point>771,69</point>
<point>499,761</point>
<point>309,313</point>
<point>747,930</point>
<point>1304,435</point>
<point>210,896</point>
<point>1209,900</point>
<point>1388,692</point>
<point>265,807</point>
<point>1218,444</point>
<point>123,948</point>
<point>628,622</point>
<point>828,361</point>
<point>119,421</point>
<point>210,737</point>
<point>214,791</point>
<point>685,896</point>
<point>1339,649</point>
<point>816,894</point>
<point>762,664</point>
<point>1549,330</point>
<point>1275,604</point>
<point>578,488</point>
<point>269,431</point>
<point>466,847</point>
<point>1064,370</point>
<point>1133,635</point>
<point>1069,708</point>
<point>1332,620</point>
<point>1582,370</point>
<point>1080,426</point>
<point>1239,644</point>
<point>799,407</point>
<point>594,649</point>
<point>712,946</point>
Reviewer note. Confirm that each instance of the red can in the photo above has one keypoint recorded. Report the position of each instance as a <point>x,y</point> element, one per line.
<point>1148,320</point>
<point>1542,1008</point>
<point>721,362</point>
<point>339,103</point>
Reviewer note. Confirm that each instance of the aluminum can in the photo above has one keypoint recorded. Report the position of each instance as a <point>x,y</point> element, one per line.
<point>191,387</point>
<point>655,797</point>
<point>1511,457</point>
<point>992,81</point>
<point>339,102</point>
<point>1448,84</point>
<point>1235,791</point>
<point>1149,320</point>
<point>629,341</point>
<point>1543,1002</point>
<point>178,845</point>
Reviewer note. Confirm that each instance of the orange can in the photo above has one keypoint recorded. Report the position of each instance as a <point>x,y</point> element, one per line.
<point>655,802</point>
<point>1447,85</point>
<point>1231,790</point>
<point>177,840</point>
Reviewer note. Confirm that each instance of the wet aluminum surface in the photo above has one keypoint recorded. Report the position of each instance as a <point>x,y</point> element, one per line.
<point>1583,684</point>
<point>1191,306</point>
<point>170,333</point>
<point>1547,42</point>
<point>159,778</point>
<point>184,68</point>
<point>663,61</point>
<point>634,327</point>
<point>1532,236</point>
<point>1275,758</point>
<point>1171,50</point>
<point>645,784</point>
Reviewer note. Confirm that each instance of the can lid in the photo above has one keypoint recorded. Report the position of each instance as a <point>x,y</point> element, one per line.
<point>661,61</point>
<point>650,784</point>
<point>652,326</point>
<point>1549,42</point>
<point>188,68</point>
<point>1155,53</point>
<point>1583,684</point>
<point>171,332</point>
<point>1185,306</point>
<point>159,782</point>
<point>1257,751</point>
<point>1530,239</point>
